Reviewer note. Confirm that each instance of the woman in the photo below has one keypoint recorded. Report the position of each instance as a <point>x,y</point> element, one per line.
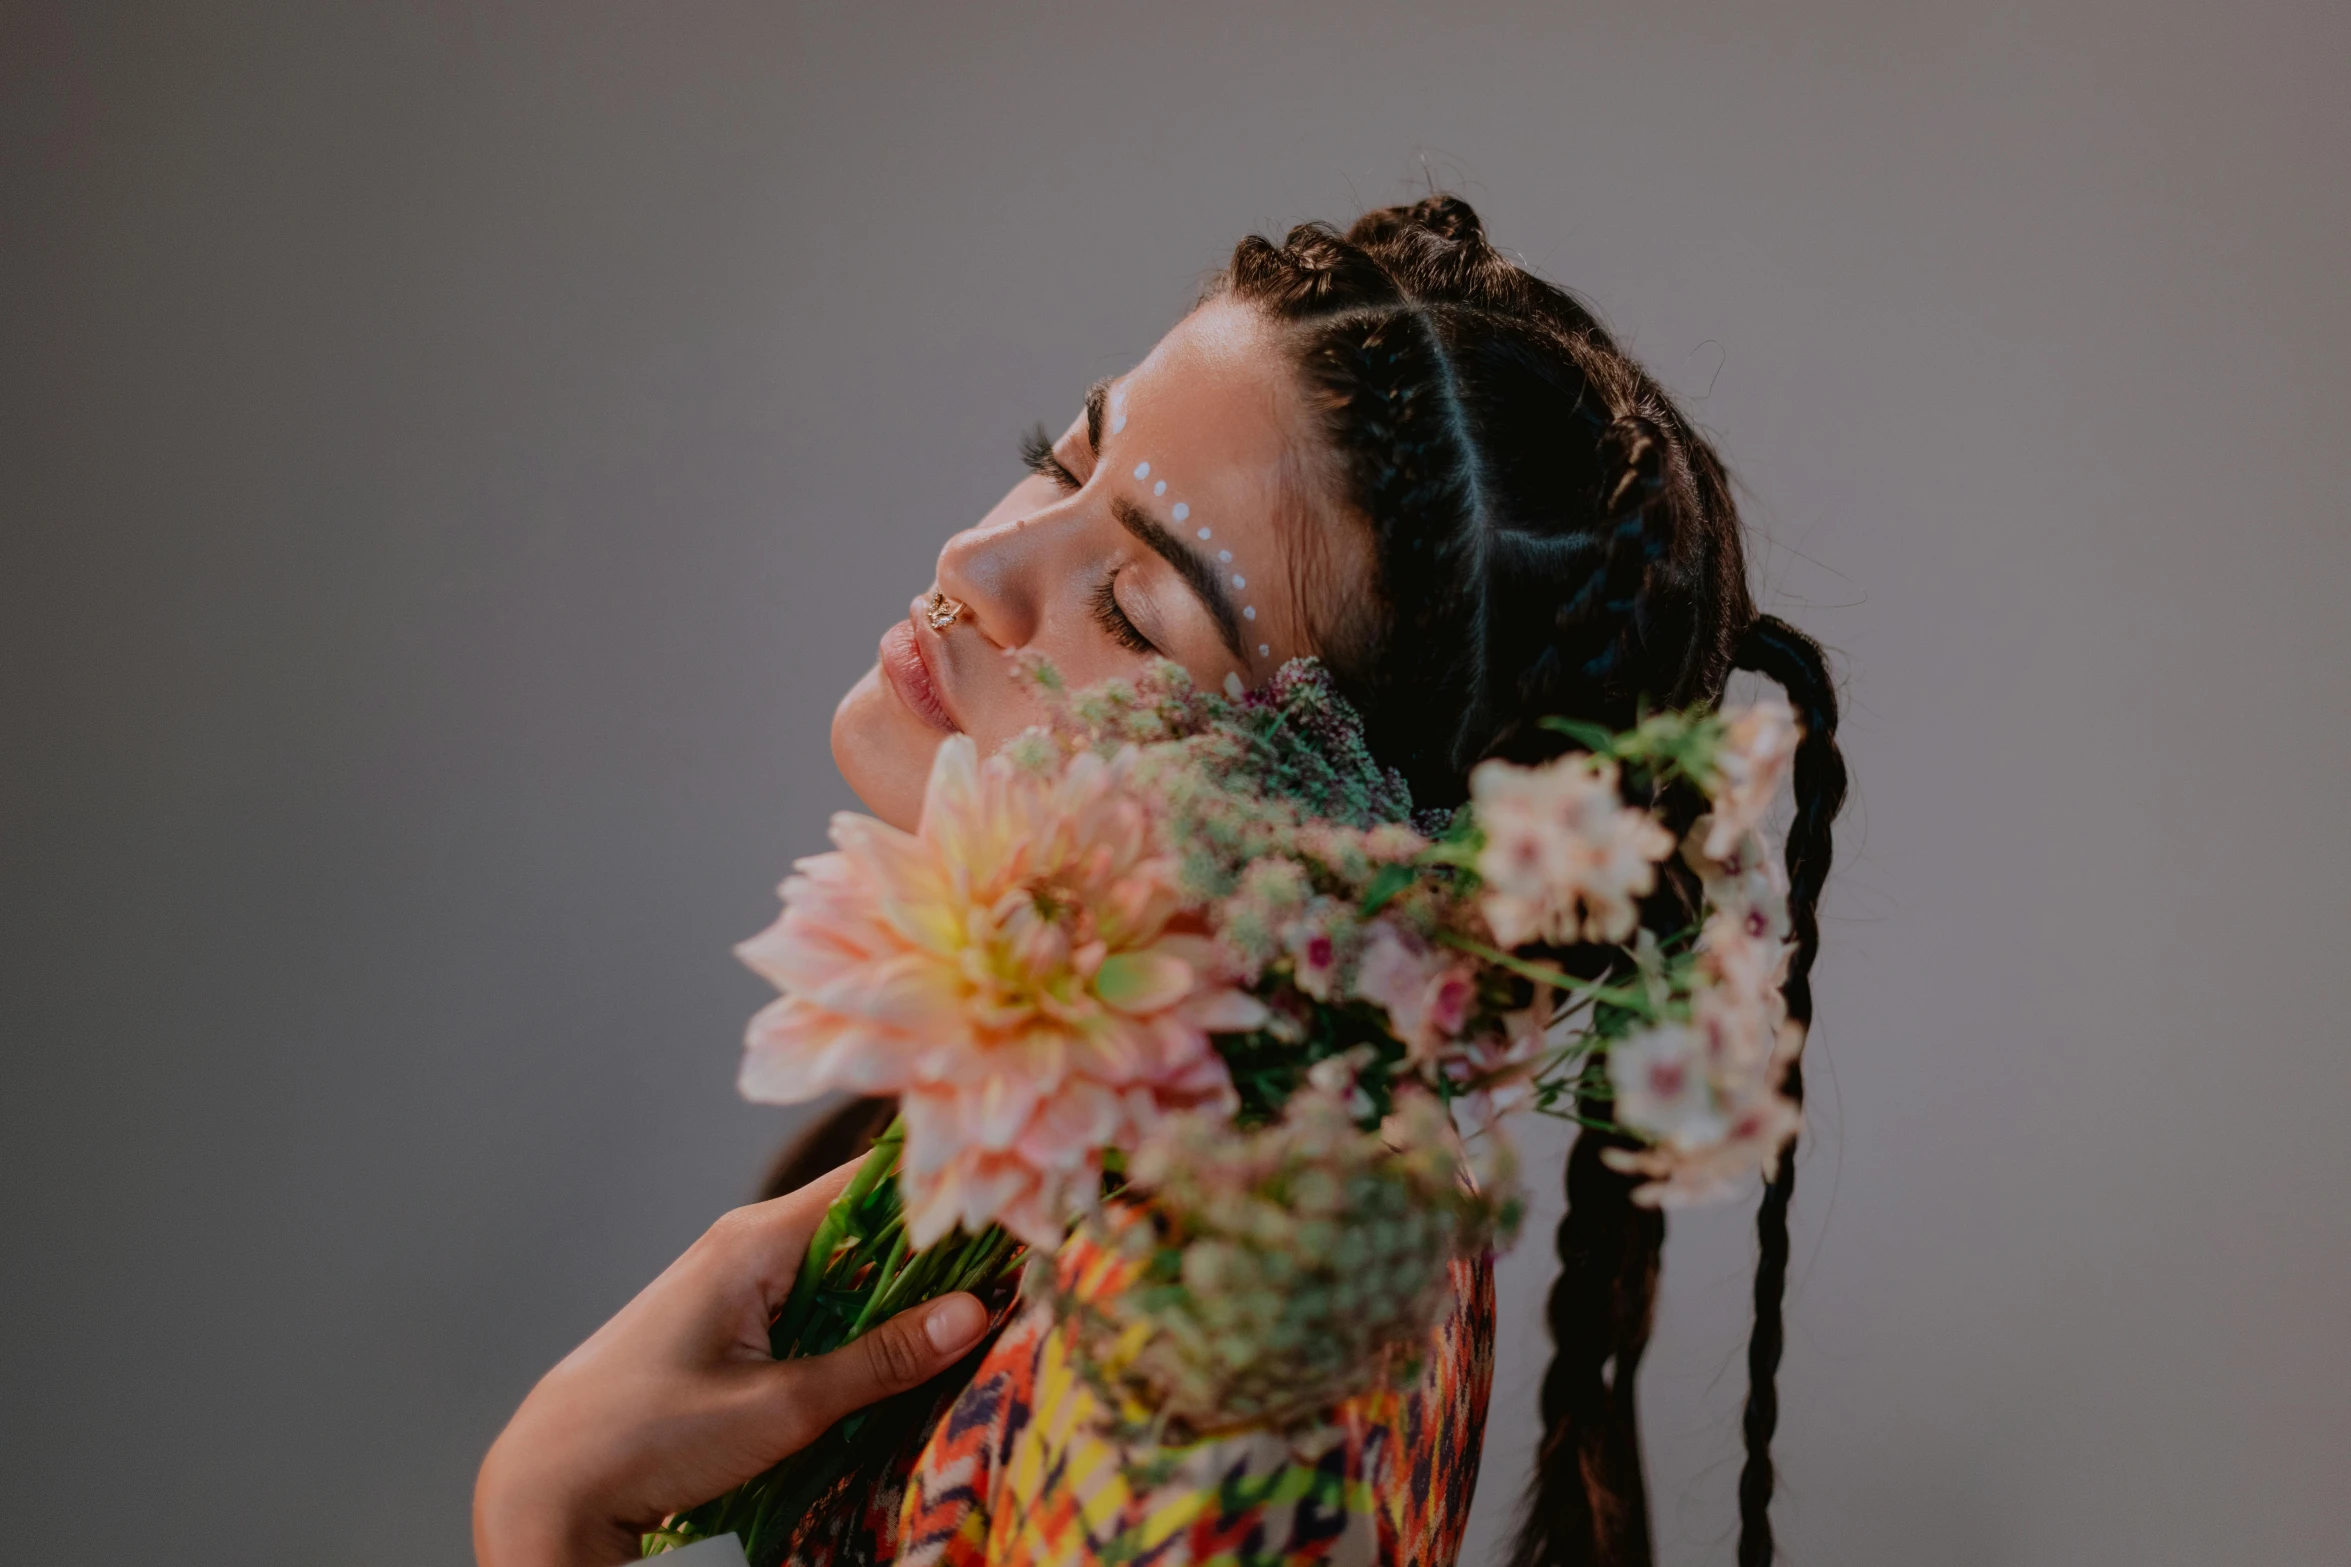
<point>1399,452</point>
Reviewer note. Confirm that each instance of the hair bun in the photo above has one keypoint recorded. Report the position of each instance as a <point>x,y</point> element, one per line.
<point>1632,465</point>
<point>1449,216</point>
<point>1313,268</point>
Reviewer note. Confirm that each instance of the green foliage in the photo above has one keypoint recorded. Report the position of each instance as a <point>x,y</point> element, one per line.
<point>1385,885</point>
<point>1294,740</point>
<point>1268,1065</point>
<point>1659,749</point>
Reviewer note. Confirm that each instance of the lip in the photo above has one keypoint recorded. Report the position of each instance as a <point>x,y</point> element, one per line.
<point>906,665</point>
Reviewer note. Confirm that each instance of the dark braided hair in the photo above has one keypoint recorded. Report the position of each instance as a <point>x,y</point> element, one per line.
<point>1550,536</point>
<point>1783,654</point>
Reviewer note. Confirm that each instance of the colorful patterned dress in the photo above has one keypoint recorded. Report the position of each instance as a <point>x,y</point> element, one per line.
<point>1016,1473</point>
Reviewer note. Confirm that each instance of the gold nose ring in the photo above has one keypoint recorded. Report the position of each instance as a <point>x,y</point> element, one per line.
<point>941,611</point>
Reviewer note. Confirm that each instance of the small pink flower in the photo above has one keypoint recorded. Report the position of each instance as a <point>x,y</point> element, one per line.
<point>1746,877</point>
<point>1702,1154</point>
<point>1314,956</point>
<point>1427,995</point>
<point>1663,1087</point>
<point>1758,746</point>
<point>1750,1147</point>
<point>1742,954</point>
<point>1450,996</point>
<point>1564,857</point>
<point>1496,1071</point>
<point>1011,971</point>
<point>1737,1029</point>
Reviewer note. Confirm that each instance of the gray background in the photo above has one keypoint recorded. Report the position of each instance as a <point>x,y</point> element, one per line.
<point>453,456</point>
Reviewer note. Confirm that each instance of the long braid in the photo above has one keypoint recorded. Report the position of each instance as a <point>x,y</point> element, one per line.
<point>1761,1417</point>
<point>1773,648</point>
<point>1587,1503</point>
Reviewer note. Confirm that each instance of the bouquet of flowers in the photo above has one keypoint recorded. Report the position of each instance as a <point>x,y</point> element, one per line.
<point>1182,975</point>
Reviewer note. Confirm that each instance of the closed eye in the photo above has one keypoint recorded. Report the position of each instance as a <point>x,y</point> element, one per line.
<point>1036,455</point>
<point>1114,620</point>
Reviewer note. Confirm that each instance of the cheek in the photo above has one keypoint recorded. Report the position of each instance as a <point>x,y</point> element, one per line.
<point>995,711</point>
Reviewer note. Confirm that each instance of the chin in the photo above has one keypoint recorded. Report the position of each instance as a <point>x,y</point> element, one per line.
<point>883,750</point>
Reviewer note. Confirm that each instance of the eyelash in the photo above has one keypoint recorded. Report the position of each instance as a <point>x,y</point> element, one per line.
<point>1114,620</point>
<point>1036,455</point>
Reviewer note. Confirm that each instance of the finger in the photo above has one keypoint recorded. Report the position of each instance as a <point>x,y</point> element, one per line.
<point>765,1242</point>
<point>801,1208</point>
<point>906,1351</point>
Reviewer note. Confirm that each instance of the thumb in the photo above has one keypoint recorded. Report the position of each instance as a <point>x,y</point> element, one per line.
<point>906,1351</point>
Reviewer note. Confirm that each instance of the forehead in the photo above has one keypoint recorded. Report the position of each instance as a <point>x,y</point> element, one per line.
<point>1215,402</point>
<point>1218,412</point>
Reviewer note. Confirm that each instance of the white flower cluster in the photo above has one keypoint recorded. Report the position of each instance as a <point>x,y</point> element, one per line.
<point>1758,747</point>
<point>1708,1090</point>
<point>1565,858</point>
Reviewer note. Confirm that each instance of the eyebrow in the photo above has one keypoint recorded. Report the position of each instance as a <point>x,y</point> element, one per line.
<point>1205,581</point>
<point>1097,398</point>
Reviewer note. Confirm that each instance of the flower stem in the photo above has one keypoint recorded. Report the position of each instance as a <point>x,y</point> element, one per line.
<point>1543,974</point>
<point>784,1336</point>
<point>884,1276</point>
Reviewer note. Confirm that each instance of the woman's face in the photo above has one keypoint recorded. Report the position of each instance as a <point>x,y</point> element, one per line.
<point>1162,524</point>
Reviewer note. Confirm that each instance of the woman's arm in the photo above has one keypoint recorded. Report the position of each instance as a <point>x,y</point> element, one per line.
<point>677,1399</point>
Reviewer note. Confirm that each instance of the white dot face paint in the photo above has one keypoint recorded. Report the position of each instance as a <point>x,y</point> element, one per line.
<point>1118,410</point>
<point>1182,512</point>
<point>1232,685</point>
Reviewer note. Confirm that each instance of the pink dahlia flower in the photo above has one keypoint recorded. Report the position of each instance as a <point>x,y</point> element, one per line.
<point>1010,970</point>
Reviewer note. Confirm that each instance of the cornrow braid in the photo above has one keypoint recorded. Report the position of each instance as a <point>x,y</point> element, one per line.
<point>1597,630</point>
<point>1313,270</point>
<point>1550,536</point>
<point>1389,409</point>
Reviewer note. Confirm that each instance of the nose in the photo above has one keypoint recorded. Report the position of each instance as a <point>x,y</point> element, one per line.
<point>999,570</point>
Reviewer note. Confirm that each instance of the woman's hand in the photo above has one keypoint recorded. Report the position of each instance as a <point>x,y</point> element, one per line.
<point>677,1399</point>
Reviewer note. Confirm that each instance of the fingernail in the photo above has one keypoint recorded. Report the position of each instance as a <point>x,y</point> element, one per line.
<point>955,1322</point>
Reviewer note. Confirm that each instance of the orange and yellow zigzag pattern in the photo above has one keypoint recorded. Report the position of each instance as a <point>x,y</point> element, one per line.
<point>1019,1473</point>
